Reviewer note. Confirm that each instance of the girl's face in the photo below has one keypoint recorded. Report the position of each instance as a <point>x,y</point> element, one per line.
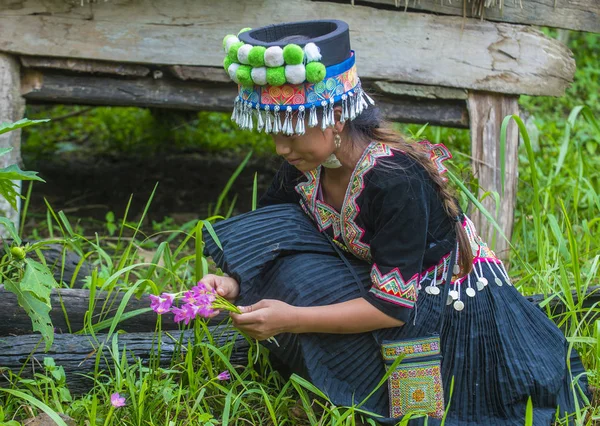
<point>306,152</point>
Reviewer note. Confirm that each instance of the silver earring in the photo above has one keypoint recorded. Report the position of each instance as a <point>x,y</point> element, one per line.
<point>337,139</point>
<point>332,161</point>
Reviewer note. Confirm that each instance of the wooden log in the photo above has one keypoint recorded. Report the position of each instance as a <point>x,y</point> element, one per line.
<point>486,112</point>
<point>414,48</point>
<point>75,303</point>
<point>12,107</point>
<point>87,66</point>
<point>48,86</point>
<point>578,15</point>
<point>210,74</point>
<point>76,353</point>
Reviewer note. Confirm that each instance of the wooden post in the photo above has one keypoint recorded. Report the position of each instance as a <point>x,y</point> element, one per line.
<point>12,107</point>
<point>486,112</point>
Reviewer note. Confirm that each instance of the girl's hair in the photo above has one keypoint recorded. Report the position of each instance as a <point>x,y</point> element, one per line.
<point>370,126</point>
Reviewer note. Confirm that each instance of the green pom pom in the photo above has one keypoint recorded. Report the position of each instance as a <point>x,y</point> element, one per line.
<point>226,63</point>
<point>243,30</point>
<point>276,76</point>
<point>293,54</point>
<point>225,40</point>
<point>315,72</point>
<point>233,51</point>
<point>243,75</point>
<point>256,57</point>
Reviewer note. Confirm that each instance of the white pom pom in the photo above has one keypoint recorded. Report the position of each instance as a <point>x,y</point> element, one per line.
<point>243,53</point>
<point>229,42</point>
<point>295,74</point>
<point>312,52</point>
<point>274,56</point>
<point>232,70</point>
<point>259,75</point>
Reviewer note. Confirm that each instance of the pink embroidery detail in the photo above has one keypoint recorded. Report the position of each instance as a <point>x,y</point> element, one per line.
<point>324,215</point>
<point>351,232</point>
<point>392,287</point>
<point>438,154</point>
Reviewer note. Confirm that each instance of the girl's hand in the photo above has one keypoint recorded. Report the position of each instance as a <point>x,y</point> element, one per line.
<point>226,287</point>
<point>265,319</point>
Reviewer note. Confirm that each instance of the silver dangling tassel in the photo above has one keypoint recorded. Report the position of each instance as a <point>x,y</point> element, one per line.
<point>240,115</point>
<point>234,114</point>
<point>268,121</point>
<point>344,116</point>
<point>287,123</point>
<point>371,101</point>
<point>325,116</point>
<point>352,106</point>
<point>244,117</point>
<point>331,122</point>
<point>277,120</point>
<point>300,130</point>
<point>250,123</point>
<point>312,118</point>
<point>363,103</point>
<point>360,102</point>
<point>260,123</point>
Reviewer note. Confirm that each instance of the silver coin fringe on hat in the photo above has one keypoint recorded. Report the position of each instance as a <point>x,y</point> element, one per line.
<point>247,117</point>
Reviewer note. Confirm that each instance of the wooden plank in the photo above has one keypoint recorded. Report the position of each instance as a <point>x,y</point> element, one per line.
<point>76,353</point>
<point>84,65</point>
<point>12,108</point>
<point>48,86</point>
<point>413,48</point>
<point>578,15</point>
<point>419,91</point>
<point>486,112</point>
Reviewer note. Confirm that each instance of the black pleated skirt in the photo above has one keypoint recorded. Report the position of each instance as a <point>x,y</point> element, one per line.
<point>500,349</point>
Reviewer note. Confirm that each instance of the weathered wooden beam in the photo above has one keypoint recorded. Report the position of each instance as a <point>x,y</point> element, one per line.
<point>12,107</point>
<point>414,48</point>
<point>578,15</point>
<point>47,86</point>
<point>211,74</point>
<point>85,65</point>
<point>486,113</point>
<point>419,91</point>
<point>75,303</point>
<point>76,353</point>
<point>147,92</point>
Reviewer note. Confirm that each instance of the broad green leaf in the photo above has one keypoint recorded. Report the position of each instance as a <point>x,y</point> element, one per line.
<point>38,311</point>
<point>10,227</point>
<point>7,127</point>
<point>13,172</point>
<point>38,280</point>
<point>9,192</point>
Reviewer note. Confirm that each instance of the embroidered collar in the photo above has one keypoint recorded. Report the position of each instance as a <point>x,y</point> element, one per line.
<point>343,223</point>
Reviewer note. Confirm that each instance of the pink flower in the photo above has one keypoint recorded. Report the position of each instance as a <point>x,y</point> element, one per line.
<point>224,375</point>
<point>117,400</point>
<point>162,305</point>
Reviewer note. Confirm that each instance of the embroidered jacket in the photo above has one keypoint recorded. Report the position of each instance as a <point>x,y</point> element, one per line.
<point>391,217</point>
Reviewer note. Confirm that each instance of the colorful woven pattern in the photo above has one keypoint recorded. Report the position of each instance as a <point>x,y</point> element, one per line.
<point>306,94</point>
<point>393,288</point>
<point>418,348</point>
<point>438,154</point>
<point>416,387</point>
